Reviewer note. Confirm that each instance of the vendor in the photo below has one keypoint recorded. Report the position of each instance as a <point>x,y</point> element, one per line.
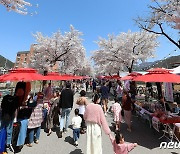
<point>164,104</point>
<point>176,108</point>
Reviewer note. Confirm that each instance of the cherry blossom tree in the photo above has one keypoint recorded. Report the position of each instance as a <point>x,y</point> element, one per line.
<point>18,6</point>
<point>123,51</point>
<point>85,68</point>
<point>164,13</point>
<point>65,50</point>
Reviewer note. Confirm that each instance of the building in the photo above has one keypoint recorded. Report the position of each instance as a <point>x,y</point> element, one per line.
<point>23,59</point>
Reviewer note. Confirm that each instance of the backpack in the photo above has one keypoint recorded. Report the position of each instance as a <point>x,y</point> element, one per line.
<point>9,105</point>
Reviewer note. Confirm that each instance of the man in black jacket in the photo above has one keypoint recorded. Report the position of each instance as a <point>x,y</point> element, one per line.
<point>66,104</point>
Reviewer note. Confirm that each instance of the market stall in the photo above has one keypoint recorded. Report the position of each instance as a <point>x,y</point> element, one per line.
<point>155,112</point>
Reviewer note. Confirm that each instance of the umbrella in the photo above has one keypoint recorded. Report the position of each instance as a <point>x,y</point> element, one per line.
<point>158,75</point>
<point>22,74</point>
<point>130,76</point>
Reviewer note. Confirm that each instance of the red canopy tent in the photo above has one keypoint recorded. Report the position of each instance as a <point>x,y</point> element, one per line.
<point>86,77</point>
<point>130,76</point>
<point>72,77</point>
<point>21,74</point>
<point>107,77</point>
<point>54,76</point>
<point>117,77</point>
<point>100,77</point>
<point>158,75</point>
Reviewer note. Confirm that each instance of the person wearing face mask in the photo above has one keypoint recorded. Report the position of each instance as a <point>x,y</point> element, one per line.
<point>95,120</point>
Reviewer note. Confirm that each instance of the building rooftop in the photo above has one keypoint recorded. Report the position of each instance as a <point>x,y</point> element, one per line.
<point>23,52</point>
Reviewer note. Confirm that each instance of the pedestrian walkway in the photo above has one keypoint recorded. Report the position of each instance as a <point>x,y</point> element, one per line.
<point>141,133</point>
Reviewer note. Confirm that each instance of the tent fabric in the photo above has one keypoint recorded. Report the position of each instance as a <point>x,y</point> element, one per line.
<point>21,74</point>
<point>158,75</point>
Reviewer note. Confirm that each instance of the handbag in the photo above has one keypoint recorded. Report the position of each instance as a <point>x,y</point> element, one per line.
<point>32,104</point>
<point>24,113</point>
<point>2,139</point>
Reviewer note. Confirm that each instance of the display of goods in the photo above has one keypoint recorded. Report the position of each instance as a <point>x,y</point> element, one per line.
<point>173,119</point>
<point>139,103</point>
<point>158,114</point>
<point>163,117</point>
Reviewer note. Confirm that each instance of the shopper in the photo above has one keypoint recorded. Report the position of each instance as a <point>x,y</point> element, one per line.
<point>34,122</point>
<point>104,97</point>
<point>82,103</point>
<point>116,109</point>
<point>95,120</point>
<point>127,107</point>
<point>66,105</point>
<point>52,113</point>
<point>76,124</point>
<point>119,145</point>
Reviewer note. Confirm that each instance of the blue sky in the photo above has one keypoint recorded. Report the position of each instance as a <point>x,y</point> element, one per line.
<point>94,18</point>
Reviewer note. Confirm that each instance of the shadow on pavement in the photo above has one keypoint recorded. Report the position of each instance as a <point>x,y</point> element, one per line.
<point>89,95</point>
<point>77,151</point>
<point>141,134</point>
<point>69,139</point>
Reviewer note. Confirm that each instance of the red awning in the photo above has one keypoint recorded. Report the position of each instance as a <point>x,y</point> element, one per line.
<point>117,77</point>
<point>158,75</point>
<point>21,74</point>
<point>130,76</point>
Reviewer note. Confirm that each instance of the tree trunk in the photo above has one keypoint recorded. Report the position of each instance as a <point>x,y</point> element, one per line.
<point>44,81</point>
<point>129,69</point>
<point>159,89</point>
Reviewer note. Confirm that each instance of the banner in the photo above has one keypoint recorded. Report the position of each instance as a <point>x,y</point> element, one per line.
<point>168,92</point>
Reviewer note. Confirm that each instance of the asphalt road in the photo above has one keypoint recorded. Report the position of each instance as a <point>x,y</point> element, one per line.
<point>147,139</point>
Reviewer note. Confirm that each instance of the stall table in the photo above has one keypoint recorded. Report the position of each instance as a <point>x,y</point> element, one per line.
<point>145,114</point>
<point>169,127</point>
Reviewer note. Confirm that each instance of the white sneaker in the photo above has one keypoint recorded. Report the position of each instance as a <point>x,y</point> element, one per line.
<point>10,148</point>
<point>105,114</point>
<point>122,121</point>
<point>76,143</point>
<point>65,131</point>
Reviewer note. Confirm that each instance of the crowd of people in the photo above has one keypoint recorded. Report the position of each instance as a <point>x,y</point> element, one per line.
<point>53,108</point>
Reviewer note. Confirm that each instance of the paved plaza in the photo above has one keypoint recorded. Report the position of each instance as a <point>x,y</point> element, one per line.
<point>147,139</point>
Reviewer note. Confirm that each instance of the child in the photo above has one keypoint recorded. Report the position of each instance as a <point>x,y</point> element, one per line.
<point>76,123</point>
<point>119,146</point>
<point>116,109</point>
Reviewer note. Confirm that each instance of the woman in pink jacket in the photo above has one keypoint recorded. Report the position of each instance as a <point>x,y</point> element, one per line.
<point>95,119</point>
<point>119,146</point>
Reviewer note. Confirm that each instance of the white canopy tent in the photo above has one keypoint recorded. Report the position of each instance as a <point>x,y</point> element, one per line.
<point>176,70</point>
